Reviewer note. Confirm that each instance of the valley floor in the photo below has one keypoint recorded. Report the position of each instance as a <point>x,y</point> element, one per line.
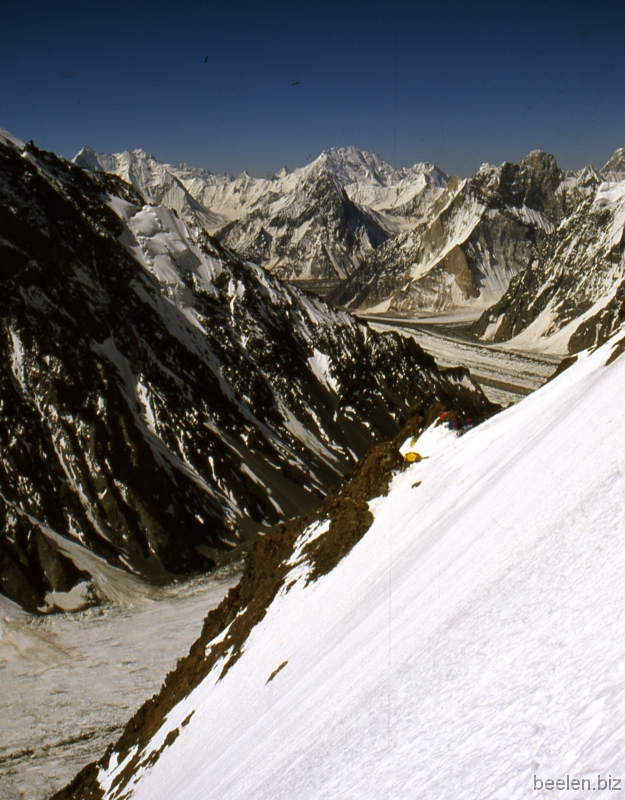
<point>74,680</point>
<point>505,375</point>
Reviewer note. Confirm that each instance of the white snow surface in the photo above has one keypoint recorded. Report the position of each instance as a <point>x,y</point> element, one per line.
<point>213,200</point>
<point>8,138</point>
<point>320,364</point>
<point>471,641</point>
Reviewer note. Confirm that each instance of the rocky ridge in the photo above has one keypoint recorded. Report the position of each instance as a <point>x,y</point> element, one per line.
<point>483,232</point>
<point>574,297</point>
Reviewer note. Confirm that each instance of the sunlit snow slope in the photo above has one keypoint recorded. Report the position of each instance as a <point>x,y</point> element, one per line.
<point>470,643</point>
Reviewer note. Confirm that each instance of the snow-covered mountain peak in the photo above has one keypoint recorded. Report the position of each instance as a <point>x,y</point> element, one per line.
<point>351,165</point>
<point>317,221</point>
<point>157,182</point>
<point>8,137</point>
<point>281,173</point>
<point>102,161</point>
<point>587,177</point>
<point>432,174</point>
<point>362,167</point>
<point>88,158</point>
<point>539,159</point>
<point>614,170</point>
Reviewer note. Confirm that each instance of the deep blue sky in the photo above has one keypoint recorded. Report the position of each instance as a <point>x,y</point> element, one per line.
<point>455,83</point>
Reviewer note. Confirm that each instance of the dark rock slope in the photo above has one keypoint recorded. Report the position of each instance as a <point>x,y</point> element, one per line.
<point>160,399</point>
<point>574,297</point>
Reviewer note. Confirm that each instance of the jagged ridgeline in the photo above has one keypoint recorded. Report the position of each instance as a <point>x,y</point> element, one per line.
<point>160,399</point>
<point>316,222</point>
<point>574,296</point>
<point>483,231</point>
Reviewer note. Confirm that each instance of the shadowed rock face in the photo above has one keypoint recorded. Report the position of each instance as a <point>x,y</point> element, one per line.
<point>319,234</point>
<point>574,297</point>
<point>161,400</point>
<point>480,235</point>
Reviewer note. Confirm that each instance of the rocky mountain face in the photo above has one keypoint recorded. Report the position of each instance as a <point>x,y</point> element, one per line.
<point>574,297</point>
<point>318,222</point>
<point>315,233</point>
<point>162,400</point>
<point>483,232</point>
<point>614,170</point>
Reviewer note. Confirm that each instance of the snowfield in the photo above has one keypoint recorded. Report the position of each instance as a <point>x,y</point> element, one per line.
<point>471,645</point>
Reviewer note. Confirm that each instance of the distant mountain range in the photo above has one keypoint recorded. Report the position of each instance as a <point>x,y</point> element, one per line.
<point>320,221</point>
<point>513,243</point>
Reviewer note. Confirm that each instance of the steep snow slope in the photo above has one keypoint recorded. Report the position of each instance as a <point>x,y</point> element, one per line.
<point>319,221</point>
<point>469,645</point>
<point>160,399</point>
<point>574,298</point>
<point>473,241</point>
